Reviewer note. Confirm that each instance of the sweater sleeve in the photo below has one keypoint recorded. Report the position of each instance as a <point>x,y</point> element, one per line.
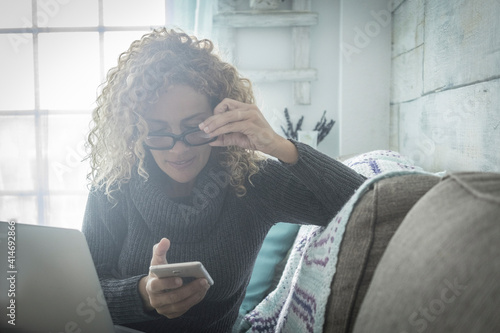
<point>311,191</point>
<point>105,228</point>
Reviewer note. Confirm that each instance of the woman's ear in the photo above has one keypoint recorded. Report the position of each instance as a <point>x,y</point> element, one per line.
<point>214,101</point>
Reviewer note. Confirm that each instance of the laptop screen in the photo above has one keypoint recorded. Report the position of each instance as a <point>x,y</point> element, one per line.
<point>49,282</point>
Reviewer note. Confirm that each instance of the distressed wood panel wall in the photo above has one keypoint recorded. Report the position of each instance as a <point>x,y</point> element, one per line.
<point>462,42</point>
<point>456,129</point>
<point>445,94</point>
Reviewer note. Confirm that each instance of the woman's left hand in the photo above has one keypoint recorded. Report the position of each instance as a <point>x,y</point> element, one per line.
<point>240,124</point>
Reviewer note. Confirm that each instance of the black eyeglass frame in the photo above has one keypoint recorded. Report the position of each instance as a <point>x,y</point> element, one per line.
<point>179,137</point>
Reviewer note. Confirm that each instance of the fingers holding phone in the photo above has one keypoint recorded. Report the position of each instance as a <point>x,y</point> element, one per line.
<point>173,303</point>
<point>168,295</point>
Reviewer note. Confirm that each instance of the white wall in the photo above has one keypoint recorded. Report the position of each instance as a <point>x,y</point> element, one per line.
<point>365,64</point>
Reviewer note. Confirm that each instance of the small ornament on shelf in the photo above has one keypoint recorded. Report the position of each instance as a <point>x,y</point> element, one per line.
<point>309,138</point>
<point>264,4</point>
<point>314,137</point>
<point>323,127</point>
<point>290,132</point>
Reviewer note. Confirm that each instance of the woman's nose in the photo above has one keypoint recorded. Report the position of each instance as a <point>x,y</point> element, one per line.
<point>179,147</point>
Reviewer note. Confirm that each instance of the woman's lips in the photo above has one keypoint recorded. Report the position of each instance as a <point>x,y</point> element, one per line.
<point>179,165</point>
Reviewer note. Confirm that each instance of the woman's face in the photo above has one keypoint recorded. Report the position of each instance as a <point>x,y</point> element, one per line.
<point>180,109</point>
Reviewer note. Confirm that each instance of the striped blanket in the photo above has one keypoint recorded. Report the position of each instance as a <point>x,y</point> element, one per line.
<point>298,303</point>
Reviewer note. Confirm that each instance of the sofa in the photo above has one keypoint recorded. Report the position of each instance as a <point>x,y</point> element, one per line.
<point>419,253</point>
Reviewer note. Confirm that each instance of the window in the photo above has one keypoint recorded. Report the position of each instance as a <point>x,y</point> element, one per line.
<point>54,54</point>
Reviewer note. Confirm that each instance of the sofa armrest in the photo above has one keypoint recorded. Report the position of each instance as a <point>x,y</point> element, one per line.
<point>373,222</point>
<point>440,270</point>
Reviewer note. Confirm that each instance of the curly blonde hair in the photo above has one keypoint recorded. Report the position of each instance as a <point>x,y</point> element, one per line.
<point>159,59</point>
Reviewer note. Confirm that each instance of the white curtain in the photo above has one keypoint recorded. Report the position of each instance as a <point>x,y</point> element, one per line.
<point>192,16</point>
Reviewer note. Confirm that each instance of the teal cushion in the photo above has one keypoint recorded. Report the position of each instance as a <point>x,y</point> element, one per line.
<point>274,249</point>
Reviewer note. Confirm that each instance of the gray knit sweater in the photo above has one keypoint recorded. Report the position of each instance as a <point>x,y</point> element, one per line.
<point>213,226</point>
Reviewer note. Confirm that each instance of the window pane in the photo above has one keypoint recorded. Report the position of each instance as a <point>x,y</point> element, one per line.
<point>134,12</point>
<point>22,209</point>
<point>66,211</point>
<point>69,70</point>
<point>16,72</point>
<point>117,42</point>
<point>74,13</point>
<point>17,153</point>
<point>15,13</point>
<point>66,150</point>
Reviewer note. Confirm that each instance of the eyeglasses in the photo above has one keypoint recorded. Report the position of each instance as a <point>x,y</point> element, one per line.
<point>166,141</point>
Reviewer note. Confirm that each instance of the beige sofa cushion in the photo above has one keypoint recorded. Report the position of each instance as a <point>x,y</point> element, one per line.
<point>371,225</point>
<point>440,271</point>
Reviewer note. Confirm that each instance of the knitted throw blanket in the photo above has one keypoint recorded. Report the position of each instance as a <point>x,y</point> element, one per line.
<point>298,303</point>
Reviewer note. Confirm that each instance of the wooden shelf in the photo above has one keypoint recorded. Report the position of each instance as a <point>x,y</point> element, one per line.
<point>265,19</point>
<point>299,19</point>
<point>297,75</point>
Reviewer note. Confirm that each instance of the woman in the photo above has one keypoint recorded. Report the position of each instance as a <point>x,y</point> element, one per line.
<point>176,160</point>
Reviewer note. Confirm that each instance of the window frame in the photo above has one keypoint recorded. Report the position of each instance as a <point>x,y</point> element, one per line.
<point>41,190</point>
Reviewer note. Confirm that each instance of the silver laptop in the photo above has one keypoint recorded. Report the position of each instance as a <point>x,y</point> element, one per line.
<point>49,283</point>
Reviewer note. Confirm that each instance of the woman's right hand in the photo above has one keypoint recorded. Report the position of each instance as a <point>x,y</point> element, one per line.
<point>168,296</point>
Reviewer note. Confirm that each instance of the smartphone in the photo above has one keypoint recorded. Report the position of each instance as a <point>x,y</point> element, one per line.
<point>191,269</point>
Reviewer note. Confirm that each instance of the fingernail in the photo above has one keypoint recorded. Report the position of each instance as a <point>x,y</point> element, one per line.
<point>178,282</point>
<point>201,126</point>
<point>206,129</point>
